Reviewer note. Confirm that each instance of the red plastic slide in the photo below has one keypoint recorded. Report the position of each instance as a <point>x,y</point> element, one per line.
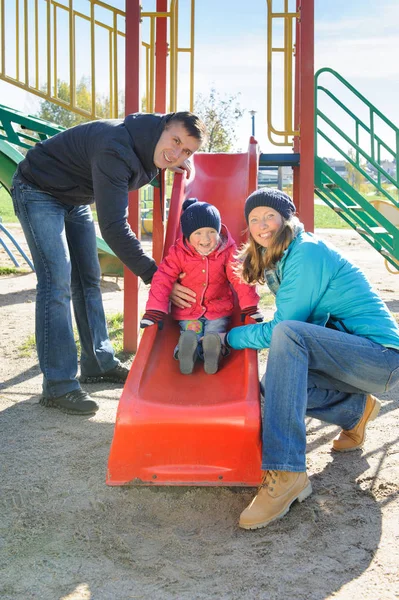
<point>198,429</point>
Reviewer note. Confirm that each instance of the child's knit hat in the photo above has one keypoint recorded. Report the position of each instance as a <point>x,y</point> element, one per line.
<point>272,198</point>
<point>198,214</point>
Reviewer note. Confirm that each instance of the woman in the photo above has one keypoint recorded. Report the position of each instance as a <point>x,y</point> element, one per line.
<point>333,343</point>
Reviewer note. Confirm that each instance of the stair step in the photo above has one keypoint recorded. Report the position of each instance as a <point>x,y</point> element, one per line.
<point>376,230</point>
<point>338,209</point>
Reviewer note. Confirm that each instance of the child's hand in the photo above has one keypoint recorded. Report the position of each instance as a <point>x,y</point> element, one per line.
<point>151,317</point>
<point>253,312</point>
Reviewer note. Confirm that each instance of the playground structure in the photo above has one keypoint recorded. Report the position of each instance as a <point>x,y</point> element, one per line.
<point>158,435</point>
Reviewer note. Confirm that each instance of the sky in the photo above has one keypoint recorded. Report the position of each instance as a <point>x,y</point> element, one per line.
<point>357,38</point>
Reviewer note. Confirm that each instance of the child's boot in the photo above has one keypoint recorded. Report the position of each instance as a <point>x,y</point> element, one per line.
<point>187,352</point>
<point>212,348</point>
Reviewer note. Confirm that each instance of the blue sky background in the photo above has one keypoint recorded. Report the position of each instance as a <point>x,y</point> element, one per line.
<point>358,38</point>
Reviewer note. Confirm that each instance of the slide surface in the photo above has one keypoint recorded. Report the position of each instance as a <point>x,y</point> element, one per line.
<point>198,429</point>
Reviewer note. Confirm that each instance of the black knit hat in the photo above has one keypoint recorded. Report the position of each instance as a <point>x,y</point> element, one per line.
<point>272,198</point>
<point>198,214</point>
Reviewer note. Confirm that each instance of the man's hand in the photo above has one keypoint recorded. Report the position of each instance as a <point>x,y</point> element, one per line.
<point>182,296</point>
<point>152,317</point>
<point>186,166</point>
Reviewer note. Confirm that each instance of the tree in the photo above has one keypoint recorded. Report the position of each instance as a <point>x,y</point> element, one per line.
<point>65,117</point>
<point>220,116</point>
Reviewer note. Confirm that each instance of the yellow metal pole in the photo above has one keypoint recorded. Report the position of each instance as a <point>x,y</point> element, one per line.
<point>48,49</point>
<point>93,57</point>
<point>26,40</point>
<point>111,79</point>
<point>72,74</point>
<point>55,53</point>
<point>17,38</point>
<point>3,42</point>
<point>36,45</point>
<point>172,61</point>
<point>152,64</point>
<point>192,43</point>
<point>115,68</point>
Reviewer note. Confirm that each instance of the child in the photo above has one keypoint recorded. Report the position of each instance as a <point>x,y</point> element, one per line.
<point>333,344</point>
<point>206,255</point>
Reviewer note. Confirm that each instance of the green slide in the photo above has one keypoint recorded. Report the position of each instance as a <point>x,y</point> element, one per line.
<point>9,159</point>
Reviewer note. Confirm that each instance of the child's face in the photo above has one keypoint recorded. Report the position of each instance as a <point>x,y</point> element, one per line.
<point>204,240</point>
<point>263,223</point>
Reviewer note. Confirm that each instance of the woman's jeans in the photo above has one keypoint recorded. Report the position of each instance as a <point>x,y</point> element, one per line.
<point>62,241</point>
<point>322,373</point>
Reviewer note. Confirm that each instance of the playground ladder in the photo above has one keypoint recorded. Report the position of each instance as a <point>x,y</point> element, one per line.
<point>376,220</point>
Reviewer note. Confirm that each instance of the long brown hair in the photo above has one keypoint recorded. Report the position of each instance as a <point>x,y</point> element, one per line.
<point>253,259</point>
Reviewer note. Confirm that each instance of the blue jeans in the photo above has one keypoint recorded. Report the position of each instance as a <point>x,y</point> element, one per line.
<point>62,241</point>
<point>201,327</point>
<point>322,373</point>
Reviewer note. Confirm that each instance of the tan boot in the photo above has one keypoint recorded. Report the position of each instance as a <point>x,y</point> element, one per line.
<point>279,489</point>
<point>352,439</point>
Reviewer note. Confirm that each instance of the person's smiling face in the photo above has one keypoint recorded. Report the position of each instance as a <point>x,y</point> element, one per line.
<point>263,223</point>
<point>204,240</point>
<point>174,147</point>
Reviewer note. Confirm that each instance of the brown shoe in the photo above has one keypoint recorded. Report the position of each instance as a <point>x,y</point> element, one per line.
<point>352,439</point>
<point>279,489</point>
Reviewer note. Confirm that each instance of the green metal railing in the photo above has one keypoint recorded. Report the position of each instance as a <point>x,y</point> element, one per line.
<point>364,141</point>
<point>24,130</point>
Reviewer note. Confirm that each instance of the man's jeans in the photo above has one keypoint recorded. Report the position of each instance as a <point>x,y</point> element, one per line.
<point>322,373</point>
<point>62,241</point>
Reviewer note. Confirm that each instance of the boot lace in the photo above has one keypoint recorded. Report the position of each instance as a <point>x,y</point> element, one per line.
<point>269,479</point>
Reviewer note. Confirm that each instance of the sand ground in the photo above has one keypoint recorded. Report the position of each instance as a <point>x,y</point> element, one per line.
<point>65,535</point>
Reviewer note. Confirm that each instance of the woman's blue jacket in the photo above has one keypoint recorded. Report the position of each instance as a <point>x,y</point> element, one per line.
<point>319,285</point>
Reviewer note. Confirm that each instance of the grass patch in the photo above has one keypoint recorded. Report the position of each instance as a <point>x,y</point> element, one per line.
<point>12,271</point>
<point>28,347</point>
<point>267,300</point>
<point>326,218</point>
<point>115,332</point>
<point>6,207</point>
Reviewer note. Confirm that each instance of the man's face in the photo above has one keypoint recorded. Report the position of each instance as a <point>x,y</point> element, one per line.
<point>174,147</point>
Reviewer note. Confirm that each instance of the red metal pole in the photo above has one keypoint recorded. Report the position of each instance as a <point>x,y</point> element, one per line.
<point>161,51</point>
<point>132,104</point>
<point>306,104</point>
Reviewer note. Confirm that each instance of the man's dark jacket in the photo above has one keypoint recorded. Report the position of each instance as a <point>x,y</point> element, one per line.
<point>101,162</point>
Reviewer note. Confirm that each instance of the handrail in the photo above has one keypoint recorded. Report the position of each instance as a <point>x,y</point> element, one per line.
<point>288,52</point>
<point>36,67</point>
<point>375,141</point>
<point>24,130</point>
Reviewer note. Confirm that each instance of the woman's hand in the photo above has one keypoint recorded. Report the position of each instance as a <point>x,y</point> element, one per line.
<point>182,296</point>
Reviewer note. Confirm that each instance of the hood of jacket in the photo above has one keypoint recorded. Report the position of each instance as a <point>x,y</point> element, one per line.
<point>145,130</point>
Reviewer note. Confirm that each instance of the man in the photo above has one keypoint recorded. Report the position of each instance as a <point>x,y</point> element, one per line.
<point>52,189</point>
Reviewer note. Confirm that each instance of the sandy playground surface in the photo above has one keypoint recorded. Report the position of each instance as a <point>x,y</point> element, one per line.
<point>66,535</point>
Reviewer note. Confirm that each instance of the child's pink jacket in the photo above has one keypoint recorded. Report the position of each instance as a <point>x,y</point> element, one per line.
<point>208,276</point>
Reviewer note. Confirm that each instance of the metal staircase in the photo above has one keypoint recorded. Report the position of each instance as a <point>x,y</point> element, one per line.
<point>364,142</point>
